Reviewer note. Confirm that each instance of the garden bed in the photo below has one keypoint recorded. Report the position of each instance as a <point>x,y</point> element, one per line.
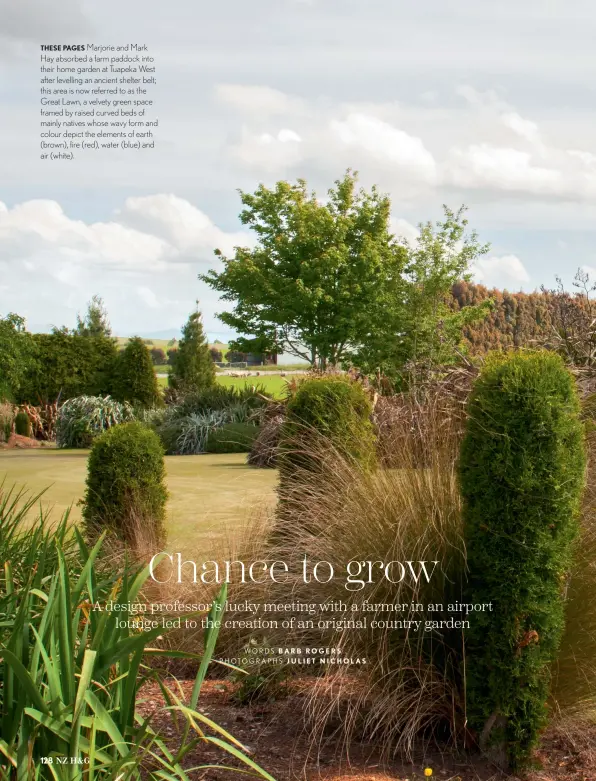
<point>282,747</point>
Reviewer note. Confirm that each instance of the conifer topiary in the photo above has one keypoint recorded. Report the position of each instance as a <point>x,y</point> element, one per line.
<point>521,468</point>
<point>125,490</point>
<point>327,411</point>
<point>192,365</point>
<point>134,376</point>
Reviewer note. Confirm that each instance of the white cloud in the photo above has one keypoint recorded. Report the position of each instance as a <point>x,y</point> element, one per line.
<point>286,136</point>
<point>386,143</point>
<point>501,168</point>
<point>522,127</point>
<point>587,158</point>
<point>56,263</point>
<point>40,232</point>
<point>185,229</point>
<point>480,98</point>
<point>506,271</point>
<point>150,233</point>
<point>268,151</point>
<point>487,145</point>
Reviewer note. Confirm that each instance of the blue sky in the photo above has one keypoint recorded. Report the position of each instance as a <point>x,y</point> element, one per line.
<point>491,105</point>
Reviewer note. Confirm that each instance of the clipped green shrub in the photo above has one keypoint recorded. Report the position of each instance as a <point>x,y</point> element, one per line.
<point>125,490</point>
<point>192,365</point>
<point>232,438</point>
<point>522,465</point>
<point>134,377</point>
<point>22,424</point>
<point>82,419</point>
<point>329,409</point>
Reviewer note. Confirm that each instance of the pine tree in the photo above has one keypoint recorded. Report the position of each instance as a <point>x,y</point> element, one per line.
<point>192,366</point>
<point>96,321</point>
<point>135,379</point>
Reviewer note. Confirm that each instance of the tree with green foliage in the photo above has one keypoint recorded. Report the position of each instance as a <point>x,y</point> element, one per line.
<point>17,355</point>
<point>134,377</point>
<point>95,322</point>
<point>125,488</point>
<point>418,323</point>
<point>330,283</point>
<point>68,363</point>
<point>317,275</point>
<point>192,366</point>
<point>521,468</point>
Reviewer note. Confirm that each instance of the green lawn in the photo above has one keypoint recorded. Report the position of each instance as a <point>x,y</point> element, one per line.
<point>212,497</point>
<point>287,367</point>
<point>273,384</point>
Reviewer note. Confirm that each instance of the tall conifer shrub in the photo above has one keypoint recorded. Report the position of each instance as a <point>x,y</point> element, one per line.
<point>192,365</point>
<point>134,376</point>
<point>521,469</point>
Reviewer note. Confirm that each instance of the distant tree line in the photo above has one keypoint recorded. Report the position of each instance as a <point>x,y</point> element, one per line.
<point>87,361</point>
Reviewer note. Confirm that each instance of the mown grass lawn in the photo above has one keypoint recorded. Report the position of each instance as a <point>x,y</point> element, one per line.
<point>273,384</point>
<point>213,498</point>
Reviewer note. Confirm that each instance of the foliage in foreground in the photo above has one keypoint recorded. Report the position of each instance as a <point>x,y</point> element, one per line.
<point>71,675</point>
<point>125,484</point>
<point>522,475</point>
<point>410,684</point>
<point>82,419</point>
<point>412,688</point>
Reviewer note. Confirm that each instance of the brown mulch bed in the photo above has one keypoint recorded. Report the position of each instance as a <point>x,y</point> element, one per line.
<point>277,741</point>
